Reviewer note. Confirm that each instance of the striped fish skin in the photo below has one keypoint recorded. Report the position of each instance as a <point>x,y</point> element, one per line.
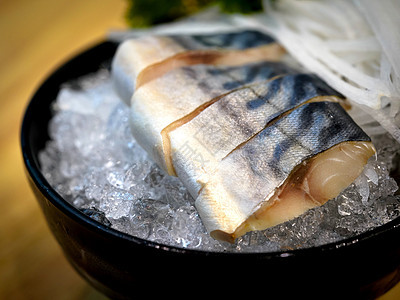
<point>234,119</point>
<point>226,40</point>
<point>135,55</point>
<point>180,92</point>
<point>314,127</point>
<point>248,178</point>
<point>218,80</point>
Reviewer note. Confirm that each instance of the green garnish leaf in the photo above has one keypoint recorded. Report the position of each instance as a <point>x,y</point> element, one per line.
<point>145,13</point>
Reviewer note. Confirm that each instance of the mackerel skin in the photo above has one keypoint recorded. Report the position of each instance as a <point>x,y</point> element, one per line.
<point>180,92</point>
<point>198,146</point>
<point>249,176</point>
<point>226,40</point>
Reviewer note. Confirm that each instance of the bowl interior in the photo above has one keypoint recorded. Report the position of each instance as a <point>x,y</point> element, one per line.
<point>34,136</point>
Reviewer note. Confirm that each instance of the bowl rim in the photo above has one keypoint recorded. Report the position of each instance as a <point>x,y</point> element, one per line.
<point>32,168</point>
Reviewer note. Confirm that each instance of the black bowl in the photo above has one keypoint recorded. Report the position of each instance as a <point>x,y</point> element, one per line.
<point>122,266</point>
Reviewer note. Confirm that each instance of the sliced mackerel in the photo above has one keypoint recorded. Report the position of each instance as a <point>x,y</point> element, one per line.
<point>138,61</point>
<point>195,148</point>
<point>246,185</point>
<point>182,93</point>
<point>255,141</point>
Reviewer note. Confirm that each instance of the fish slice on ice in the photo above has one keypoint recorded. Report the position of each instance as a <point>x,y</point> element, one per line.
<point>195,148</point>
<point>302,160</point>
<point>185,91</point>
<point>274,142</point>
<point>140,60</point>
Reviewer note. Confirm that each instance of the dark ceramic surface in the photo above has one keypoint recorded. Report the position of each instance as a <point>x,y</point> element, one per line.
<point>122,266</point>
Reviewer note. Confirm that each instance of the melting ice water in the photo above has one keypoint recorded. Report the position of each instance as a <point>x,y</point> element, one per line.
<point>94,163</point>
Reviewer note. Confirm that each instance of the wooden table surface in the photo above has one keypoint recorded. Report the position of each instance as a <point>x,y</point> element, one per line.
<point>35,37</point>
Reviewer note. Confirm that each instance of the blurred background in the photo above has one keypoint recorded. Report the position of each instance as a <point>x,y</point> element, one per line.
<point>36,37</point>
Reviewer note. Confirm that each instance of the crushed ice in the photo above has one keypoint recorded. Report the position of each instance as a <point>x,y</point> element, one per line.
<point>95,164</point>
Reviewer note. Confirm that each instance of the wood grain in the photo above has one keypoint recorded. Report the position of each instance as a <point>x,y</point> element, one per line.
<point>37,36</point>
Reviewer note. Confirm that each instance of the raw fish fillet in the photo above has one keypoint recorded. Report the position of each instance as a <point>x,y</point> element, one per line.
<point>138,61</point>
<point>183,92</point>
<point>302,160</point>
<point>255,141</point>
<point>196,147</point>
